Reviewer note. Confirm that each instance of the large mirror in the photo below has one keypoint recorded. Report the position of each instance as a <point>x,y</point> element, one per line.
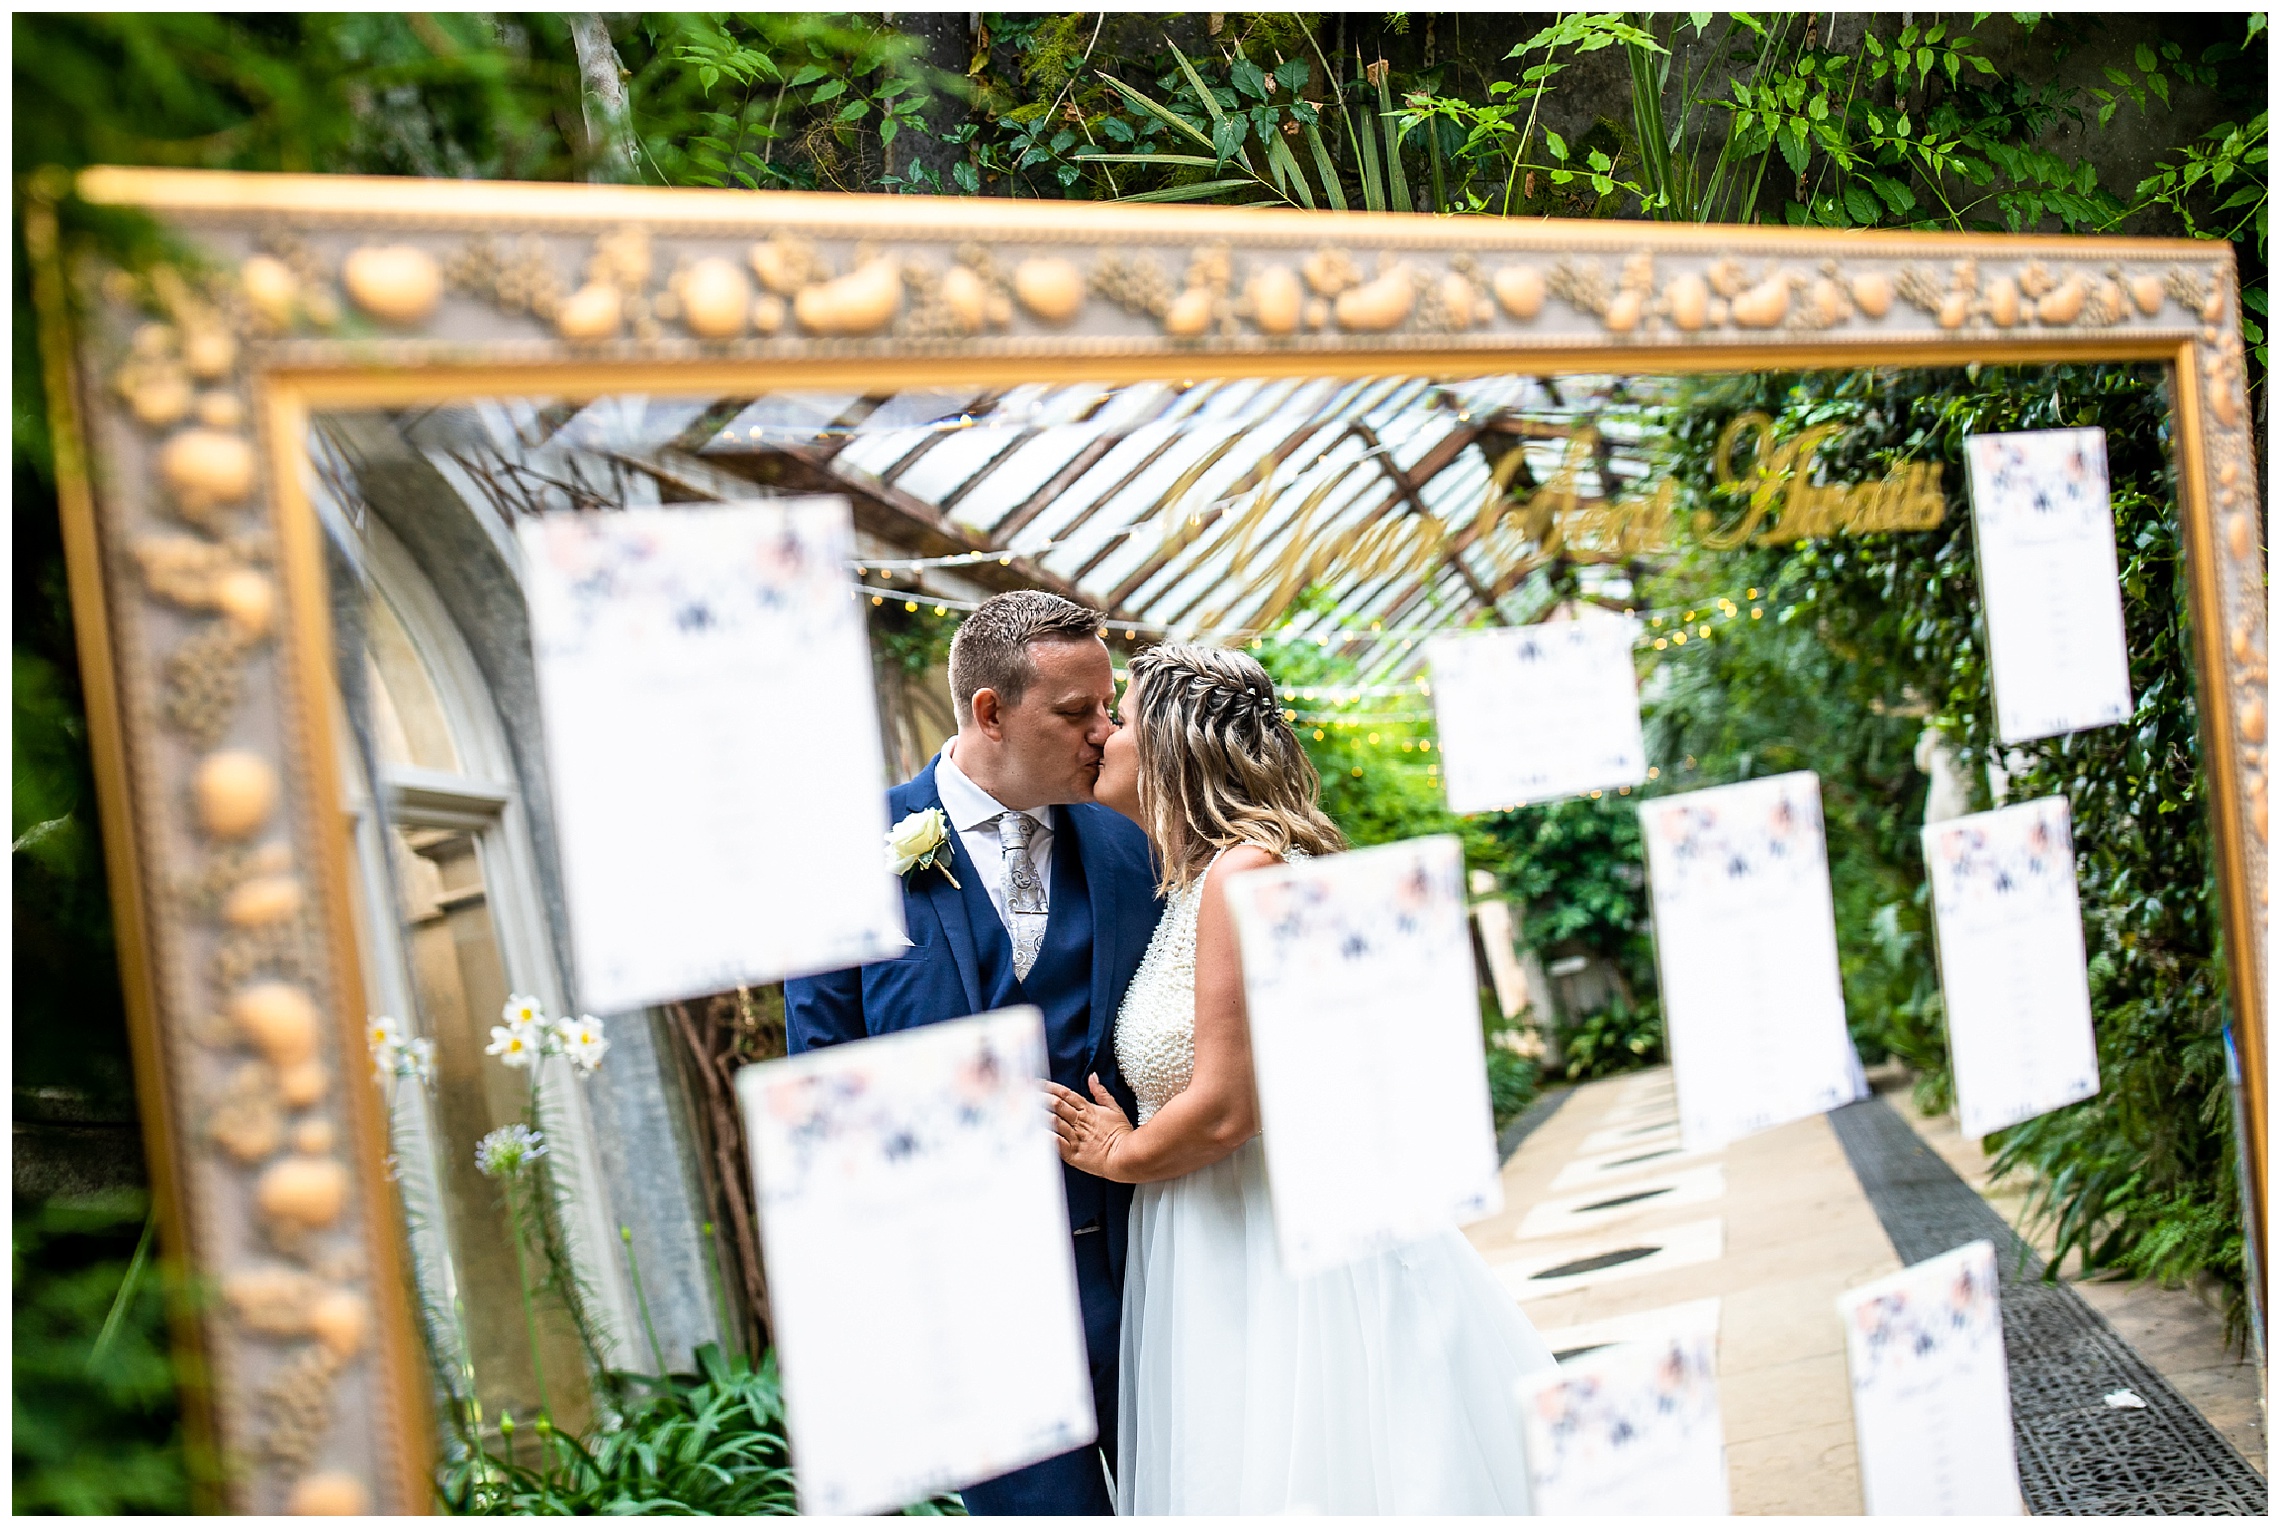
<point>1794,551</point>
<point>1785,534</point>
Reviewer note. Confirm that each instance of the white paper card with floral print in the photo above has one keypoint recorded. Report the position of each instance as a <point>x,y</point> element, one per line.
<point>1532,713</point>
<point>917,1247</point>
<point>2012,965</point>
<point>1746,945</point>
<point>706,689</point>
<point>1630,1430</point>
<point>1364,1011</point>
<point>1931,1390</point>
<point>2043,523</point>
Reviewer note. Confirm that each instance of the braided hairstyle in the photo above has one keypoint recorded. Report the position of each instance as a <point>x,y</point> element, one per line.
<point>1219,763</point>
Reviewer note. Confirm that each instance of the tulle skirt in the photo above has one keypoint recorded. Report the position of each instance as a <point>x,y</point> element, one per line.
<point>1384,1386</point>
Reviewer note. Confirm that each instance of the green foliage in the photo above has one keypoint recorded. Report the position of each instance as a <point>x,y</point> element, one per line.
<point>1513,1084</point>
<point>1240,134</point>
<point>1377,791</point>
<point>1755,695</point>
<point>710,1443</point>
<point>915,641</point>
<point>97,1428</point>
<point>444,94</point>
<point>775,99</point>
<point>70,1026</point>
<point>1869,638</point>
<point>2187,184</point>
<point>2140,1178</point>
<point>1485,137</point>
<point>1575,864</point>
<point>1621,1037</point>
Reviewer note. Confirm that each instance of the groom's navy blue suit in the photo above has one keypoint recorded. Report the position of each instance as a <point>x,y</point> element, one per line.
<point>1102,909</point>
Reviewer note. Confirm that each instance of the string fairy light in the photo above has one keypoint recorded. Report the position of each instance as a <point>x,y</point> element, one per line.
<point>1660,629</point>
<point>893,565</point>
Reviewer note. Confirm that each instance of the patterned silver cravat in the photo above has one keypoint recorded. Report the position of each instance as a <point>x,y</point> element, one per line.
<point>1025,905</point>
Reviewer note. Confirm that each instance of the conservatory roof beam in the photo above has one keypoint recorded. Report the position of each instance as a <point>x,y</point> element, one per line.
<point>1278,553</point>
<point>1262,471</point>
<point>933,438</point>
<point>1064,479</point>
<point>1148,459</point>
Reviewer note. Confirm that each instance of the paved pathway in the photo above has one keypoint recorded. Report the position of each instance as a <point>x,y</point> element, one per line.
<point>1771,1229</point>
<point>2175,1330</point>
<point>1611,1231</point>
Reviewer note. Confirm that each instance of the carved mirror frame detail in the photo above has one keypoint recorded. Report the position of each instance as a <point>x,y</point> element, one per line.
<point>182,392</point>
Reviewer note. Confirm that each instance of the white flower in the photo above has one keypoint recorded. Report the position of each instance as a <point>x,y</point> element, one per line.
<point>506,1151</point>
<point>517,1046</point>
<point>914,838</point>
<point>922,838</point>
<point>385,1040</point>
<point>417,1059</point>
<point>521,1011</point>
<point>582,1040</point>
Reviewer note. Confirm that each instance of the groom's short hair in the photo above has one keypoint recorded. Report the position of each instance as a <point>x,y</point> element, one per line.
<point>991,649</point>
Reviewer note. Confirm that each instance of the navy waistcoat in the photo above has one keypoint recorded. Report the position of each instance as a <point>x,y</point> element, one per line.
<point>1059,985</point>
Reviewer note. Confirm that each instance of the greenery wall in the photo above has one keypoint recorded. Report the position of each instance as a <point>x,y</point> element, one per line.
<point>2075,124</point>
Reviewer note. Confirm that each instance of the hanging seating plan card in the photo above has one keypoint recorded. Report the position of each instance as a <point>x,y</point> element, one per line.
<point>2044,527</point>
<point>1365,1033</point>
<point>1628,1431</point>
<point>917,1248</point>
<point>2012,965</point>
<point>1932,1390</point>
<point>705,686</point>
<point>1746,944</point>
<point>1532,713</point>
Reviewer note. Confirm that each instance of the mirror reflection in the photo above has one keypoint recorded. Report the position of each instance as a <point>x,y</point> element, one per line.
<point>1793,561</point>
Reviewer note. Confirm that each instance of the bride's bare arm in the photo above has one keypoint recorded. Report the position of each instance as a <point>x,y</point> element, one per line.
<point>1219,1108</point>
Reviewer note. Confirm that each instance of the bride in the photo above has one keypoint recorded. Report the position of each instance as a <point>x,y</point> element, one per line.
<point>1383,1386</point>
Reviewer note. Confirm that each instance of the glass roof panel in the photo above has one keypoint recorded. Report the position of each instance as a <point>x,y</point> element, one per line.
<point>782,419</point>
<point>1100,479</point>
<point>1249,475</point>
<point>960,455</point>
<point>1011,481</point>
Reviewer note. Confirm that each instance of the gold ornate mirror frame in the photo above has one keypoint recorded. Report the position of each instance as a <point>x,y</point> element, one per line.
<point>197,580</point>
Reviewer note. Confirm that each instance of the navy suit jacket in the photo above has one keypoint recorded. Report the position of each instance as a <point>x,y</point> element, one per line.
<point>939,976</point>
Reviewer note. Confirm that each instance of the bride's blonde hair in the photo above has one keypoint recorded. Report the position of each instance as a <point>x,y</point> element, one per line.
<point>1219,763</point>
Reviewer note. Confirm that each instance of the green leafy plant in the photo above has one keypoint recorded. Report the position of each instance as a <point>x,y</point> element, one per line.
<point>1241,134</point>
<point>776,99</point>
<point>915,641</point>
<point>2187,184</point>
<point>1513,1083</point>
<point>1379,784</point>
<point>97,1426</point>
<point>1576,866</point>
<point>1621,1037</point>
<point>1873,638</point>
<point>710,1443</point>
<point>1489,140</point>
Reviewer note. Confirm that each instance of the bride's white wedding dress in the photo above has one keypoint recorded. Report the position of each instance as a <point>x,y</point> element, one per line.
<point>1383,1386</point>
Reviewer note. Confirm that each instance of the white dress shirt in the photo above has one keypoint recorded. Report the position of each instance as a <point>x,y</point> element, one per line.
<point>974,812</point>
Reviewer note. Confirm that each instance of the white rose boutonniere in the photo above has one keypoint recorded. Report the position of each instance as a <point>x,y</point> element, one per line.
<point>921,841</point>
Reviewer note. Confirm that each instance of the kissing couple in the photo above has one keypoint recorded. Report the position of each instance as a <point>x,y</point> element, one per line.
<point>1088,852</point>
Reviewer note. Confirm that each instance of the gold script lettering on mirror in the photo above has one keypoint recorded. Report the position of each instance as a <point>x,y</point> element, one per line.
<point>1557,519</point>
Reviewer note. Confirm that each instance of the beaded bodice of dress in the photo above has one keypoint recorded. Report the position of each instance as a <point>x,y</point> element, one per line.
<point>1155,1027</point>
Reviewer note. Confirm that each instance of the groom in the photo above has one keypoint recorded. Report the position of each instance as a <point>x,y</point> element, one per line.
<point>1053,905</point>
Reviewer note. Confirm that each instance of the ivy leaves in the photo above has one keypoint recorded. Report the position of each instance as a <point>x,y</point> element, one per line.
<point>1895,163</point>
<point>758,86</point>
<point>1880,636</point>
